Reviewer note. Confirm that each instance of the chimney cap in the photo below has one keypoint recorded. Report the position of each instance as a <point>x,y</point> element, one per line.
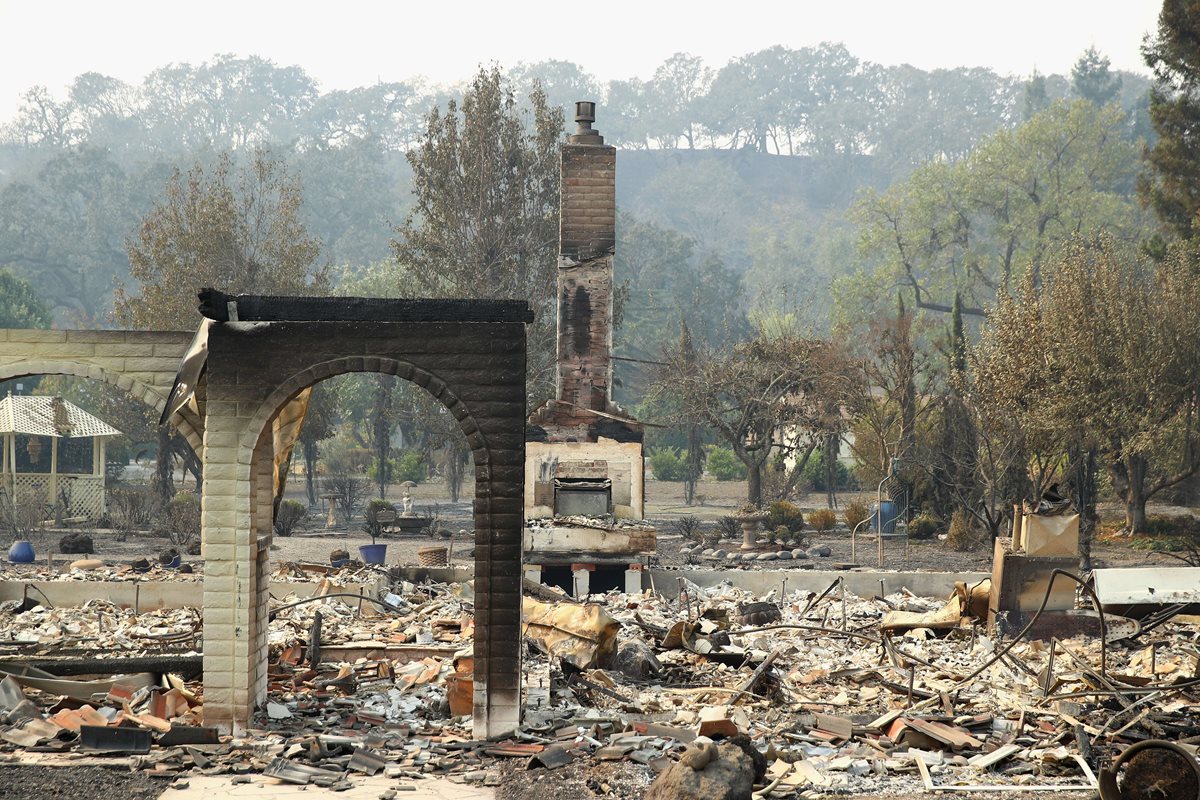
<point>585,115</point>
<point>585,111</point>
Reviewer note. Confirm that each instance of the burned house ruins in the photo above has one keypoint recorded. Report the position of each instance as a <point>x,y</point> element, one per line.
<point>584,467</point>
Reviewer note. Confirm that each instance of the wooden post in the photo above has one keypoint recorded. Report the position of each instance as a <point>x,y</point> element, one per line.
<point>54,472</point>
<point>12,447</point>
<point>100,467</point>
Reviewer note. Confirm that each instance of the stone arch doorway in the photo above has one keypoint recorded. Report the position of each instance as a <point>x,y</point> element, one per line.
<point>469,355</point>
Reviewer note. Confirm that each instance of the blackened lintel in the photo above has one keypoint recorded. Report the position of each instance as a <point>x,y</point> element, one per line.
<point>221,307</point>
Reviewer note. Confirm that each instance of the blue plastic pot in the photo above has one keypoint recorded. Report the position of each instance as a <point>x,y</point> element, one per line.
<point>372,553</point>
<point>21,552</point>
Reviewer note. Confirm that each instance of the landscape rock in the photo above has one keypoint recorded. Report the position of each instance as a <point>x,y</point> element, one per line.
<point>799,553</point>
<point>820,551</point>
<point>710,771</point>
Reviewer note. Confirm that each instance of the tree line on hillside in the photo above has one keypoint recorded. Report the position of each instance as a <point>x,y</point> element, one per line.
<point>1023,325</point>
<point>79,170</point>
<point>819,101</point>
<point>949,234</point>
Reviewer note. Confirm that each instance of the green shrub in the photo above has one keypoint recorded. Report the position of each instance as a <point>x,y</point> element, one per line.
<point>823,519</point>
<point>854,513</point>
<point>1158,544</point>
<point>410,466</point>
<point>725,466</point>
<point>789,515</point>
<point>923,526</point>
<point>666,464</point>
<point>288,516</point>
<point>813,474</point>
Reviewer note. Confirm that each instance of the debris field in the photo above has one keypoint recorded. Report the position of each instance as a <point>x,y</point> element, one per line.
<point>832,693</point>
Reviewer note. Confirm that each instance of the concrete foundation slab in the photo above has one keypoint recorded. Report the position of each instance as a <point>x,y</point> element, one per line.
<point>865,583</point>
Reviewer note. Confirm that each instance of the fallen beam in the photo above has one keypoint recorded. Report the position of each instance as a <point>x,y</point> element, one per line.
<point>187,666</point>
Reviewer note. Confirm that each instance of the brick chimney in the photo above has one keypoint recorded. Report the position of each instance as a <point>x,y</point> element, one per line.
<point>587,240</point>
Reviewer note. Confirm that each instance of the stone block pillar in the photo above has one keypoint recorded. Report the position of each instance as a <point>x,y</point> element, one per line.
<point>581,579</point>
<point>231,656</point>
<point>633,580</point>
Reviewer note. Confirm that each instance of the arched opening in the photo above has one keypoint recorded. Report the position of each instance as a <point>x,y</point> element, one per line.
<point>262,354</point>
<point>276,427</point>
<point>369,441</point>
<point>186,423</point>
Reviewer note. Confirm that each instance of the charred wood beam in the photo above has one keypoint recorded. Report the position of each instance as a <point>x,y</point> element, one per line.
<point>187,666</point>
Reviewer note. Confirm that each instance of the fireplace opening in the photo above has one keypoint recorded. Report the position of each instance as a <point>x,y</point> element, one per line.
<point>582,497</point>
<point>604,578</point>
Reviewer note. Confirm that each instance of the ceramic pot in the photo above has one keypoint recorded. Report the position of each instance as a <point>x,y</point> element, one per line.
<point>21,552</point>
<point>373,553</point>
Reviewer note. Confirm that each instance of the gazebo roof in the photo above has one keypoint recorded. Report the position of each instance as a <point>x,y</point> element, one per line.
<point>49,416</point>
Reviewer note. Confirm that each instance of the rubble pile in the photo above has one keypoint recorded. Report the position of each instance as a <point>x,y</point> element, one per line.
<point>97,625</point>
<point>95,569</point>
<point>606,523</point>
<point>91,569</point>
<point>834,693</point>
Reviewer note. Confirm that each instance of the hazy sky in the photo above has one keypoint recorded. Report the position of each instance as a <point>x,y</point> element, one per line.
<point>350,43</point>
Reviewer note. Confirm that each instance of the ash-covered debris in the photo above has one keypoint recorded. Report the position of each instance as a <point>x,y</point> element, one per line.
<point>605,523</point>
<point>834,693</point>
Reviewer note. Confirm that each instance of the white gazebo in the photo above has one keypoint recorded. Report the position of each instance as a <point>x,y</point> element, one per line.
<point>53,446</point>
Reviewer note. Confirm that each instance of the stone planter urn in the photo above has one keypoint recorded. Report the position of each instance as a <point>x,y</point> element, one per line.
<point>750,518</point>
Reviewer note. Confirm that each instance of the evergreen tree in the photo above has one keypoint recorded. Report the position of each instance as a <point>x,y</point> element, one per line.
<point>1174,56</point>
<point>20,305</point>
<point>485,215</point>
<point>1093,80</point>
<point>1036,99</point>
